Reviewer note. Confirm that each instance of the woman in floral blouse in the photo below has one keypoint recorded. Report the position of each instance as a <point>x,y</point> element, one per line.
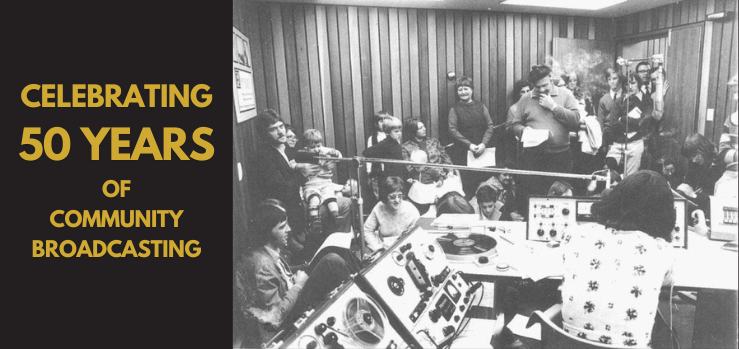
<point>421,148</point>
<point>613,271</point>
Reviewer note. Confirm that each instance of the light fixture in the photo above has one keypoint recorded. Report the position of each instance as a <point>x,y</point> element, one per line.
<point>568,4</point>
<point>720,16</point>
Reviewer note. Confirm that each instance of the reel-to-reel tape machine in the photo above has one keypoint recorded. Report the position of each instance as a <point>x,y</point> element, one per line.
<point>414,282</point>
<point>349,319</point>
<point>408,297</point>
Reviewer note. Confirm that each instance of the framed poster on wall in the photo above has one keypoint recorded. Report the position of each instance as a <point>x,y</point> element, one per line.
<point>243,80</point>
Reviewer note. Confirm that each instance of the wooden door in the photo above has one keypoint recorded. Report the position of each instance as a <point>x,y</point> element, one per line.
<point>683,70</point>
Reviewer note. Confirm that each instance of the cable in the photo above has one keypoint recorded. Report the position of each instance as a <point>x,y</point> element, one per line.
<point>466,317</point>
<point>673,336</point>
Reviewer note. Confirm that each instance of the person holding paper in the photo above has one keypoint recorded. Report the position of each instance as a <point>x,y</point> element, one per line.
<point>543,121</point>
<point>472,128</point>
<point>627,125</point>
<point>614,270</point>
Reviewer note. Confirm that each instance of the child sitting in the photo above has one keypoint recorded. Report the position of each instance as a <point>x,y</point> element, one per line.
<point>319,189</point>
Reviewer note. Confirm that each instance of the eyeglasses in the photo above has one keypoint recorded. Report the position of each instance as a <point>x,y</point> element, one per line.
<point>642,71</point>
<point>395,196</point>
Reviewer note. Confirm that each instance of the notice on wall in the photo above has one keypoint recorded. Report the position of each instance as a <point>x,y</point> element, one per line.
<point>243,80</point>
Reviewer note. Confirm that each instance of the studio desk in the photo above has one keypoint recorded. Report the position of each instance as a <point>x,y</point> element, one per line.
<point>703,267</point>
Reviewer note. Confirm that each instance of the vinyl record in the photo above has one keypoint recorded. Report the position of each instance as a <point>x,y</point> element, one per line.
<point>467,248</point>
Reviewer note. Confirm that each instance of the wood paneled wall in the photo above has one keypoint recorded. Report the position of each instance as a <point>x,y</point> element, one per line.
<point>719,47</point>
<point>333,67</point>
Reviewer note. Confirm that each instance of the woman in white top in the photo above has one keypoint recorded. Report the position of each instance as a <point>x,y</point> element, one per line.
<point>614,270</point>
<point>391,217</point>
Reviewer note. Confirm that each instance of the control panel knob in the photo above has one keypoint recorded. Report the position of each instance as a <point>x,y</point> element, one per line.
<point>565,211</point>
<point>331,321</point>
<point>454,276</point>
<point>540,232</point>
<point>552,233</point>
<point>405,247</point>
<point>330,339</point>
<point>432,248</point>
<point>677,229</point>
<point>466,299</point>
<point>448,330</point>
<point>312,345</point>
<point>320,328</point>
<point>399,257</point>
<point>426,295</point>
<point>367,317</point>
<point>461,307</point>
<point>456,318</point>
<point>434,315</point>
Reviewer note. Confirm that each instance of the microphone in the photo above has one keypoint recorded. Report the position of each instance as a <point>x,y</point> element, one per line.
<point>621,61</point>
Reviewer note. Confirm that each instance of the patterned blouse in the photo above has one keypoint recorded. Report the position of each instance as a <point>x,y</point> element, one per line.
<point>611,284</point>
<point>436,155</point>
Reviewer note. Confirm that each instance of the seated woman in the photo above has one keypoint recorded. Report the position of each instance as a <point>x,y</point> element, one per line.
<point>704,169</point>
<point>613,270</point>
<point>268,290</point>
<point>560,188</point>
<point>421,148</point>
<point>391,217</point>
<point>454,203</point>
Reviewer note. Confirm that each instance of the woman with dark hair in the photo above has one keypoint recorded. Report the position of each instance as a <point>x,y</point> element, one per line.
<point>454,203</point>
<point>421,148</point>
<point>391,217</point>
<point>704,170</point>
<point>433,153</point>
<point>472,128</point>
<point>269,291</point>
<point>614,270</point>
<point>520,88</point>
<point>292,138</point>
<point>560,188</point>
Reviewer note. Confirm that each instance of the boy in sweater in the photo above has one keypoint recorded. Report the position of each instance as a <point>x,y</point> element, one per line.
<point>319,188</point>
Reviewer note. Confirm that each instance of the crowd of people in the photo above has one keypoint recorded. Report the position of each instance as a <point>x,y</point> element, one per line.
<point>549,128</point>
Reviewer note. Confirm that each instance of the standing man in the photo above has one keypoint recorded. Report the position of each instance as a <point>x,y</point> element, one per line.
<point>548,108</point>
<point>643,70</point>
<point>278,176</point>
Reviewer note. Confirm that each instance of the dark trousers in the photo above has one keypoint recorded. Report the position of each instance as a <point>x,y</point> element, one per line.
<point>539,185</point>
<point>325,274</point>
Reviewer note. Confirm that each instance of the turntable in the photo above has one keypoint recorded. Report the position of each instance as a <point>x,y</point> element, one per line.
<point>349,319</point>
<point>467,248</point>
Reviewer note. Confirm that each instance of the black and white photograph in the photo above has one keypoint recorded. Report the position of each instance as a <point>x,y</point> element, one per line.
<point>522,174</point>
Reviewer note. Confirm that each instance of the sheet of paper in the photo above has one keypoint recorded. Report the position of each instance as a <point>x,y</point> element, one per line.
<point>476,335</point>
<point>456,220</point>
<point>635,113</point>
<point>343,240</point>
<point>423,193</point>
<point>518,327</point>
<point>532,137</point>
<point>487,158</point>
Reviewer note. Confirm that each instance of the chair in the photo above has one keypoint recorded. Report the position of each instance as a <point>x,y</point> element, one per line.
<point>554,337</point>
